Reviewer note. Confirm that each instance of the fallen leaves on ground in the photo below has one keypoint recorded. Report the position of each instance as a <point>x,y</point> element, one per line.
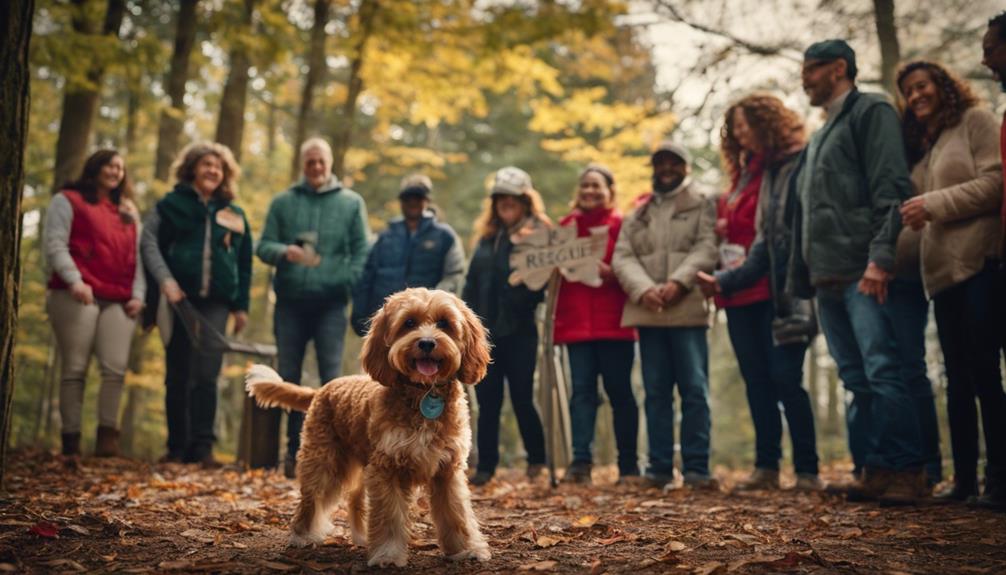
<point>130,517</point>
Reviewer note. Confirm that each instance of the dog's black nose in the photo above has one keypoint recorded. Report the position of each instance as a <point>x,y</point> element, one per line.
<point>426,345</point>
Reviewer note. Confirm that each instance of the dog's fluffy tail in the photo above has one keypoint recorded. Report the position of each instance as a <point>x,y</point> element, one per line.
<point>269,390</point>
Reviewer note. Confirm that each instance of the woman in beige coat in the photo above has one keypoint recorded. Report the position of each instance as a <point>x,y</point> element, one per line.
<point>953,146</point>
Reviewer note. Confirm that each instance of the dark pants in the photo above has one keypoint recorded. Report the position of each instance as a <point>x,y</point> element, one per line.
<point>612,360</point>
<point>909,314</point>
<point>969,320</point>
<point>773,376</point>
<point>295,324</point>
<point>881,418</point>
<point>513,358</point>
<point>676,356</point>
<point>190,398</point>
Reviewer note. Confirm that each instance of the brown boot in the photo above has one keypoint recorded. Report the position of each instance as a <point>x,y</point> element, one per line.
<point>905,488</point>
<point>873,484</point>
<point>107,443</point>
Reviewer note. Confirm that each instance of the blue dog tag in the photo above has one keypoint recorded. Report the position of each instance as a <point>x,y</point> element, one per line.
<point>432,405</point>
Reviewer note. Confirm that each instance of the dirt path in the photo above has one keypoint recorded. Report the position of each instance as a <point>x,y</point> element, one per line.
<point>127,517</point>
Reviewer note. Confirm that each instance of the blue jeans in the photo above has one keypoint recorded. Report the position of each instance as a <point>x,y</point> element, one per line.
<point>773,376</point>
<point>969,319</point>
<point>881,419</point>
<point>513,358</point>
<point>295,323</point>
<point>676,356</point>
<point>612,360</point>
<point>909,313</point>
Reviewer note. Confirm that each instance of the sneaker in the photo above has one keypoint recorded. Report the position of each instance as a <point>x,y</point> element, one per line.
<point>957,492</point>
<point>873,484</point>
<point>290,467</point>
<point>808,482</point>
<point>578,473</point>
<point>760,480</point>
<point>701,481</point>
<point>481,478</point>
<point>534,470</point>
<point>658,480</point>
<point>904,488</point>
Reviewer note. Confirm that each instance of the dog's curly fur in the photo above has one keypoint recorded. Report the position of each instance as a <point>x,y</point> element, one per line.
<point>365,436</point>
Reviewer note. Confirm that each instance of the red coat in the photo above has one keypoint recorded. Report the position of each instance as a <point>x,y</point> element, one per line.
<point>585,313</point>
<point>739,211</point>
<point>103,246</point>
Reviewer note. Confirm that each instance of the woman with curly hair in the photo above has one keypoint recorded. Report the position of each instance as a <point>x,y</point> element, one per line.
<point>953,147</point>
<point>513,208</point>
<point>761,141</point>
<point>95,292</point>
<point>197,245</point>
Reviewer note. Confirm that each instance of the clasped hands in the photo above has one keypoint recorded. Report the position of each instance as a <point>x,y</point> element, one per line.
<point>660,296</point>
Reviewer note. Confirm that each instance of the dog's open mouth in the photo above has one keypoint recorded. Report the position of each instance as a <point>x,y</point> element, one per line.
<point>427,366</point>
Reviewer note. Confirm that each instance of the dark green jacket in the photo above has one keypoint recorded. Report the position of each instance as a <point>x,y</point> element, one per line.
<point>181,238</point>
<point>337,218</point>
<point>853,180</point>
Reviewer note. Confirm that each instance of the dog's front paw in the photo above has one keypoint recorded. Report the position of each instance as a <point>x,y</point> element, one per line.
<point>480,553</point>
<point>388,560</point>
<point>305,539</point>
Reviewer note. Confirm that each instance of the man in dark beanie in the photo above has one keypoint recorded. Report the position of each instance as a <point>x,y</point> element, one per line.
<point>415,250</point>
<point>853,179</point>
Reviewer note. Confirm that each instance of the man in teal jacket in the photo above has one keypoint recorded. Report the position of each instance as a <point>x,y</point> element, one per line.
<point>316,236</point>
<point>853,179</point>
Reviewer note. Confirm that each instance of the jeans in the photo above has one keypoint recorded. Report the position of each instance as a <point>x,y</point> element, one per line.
<point>513,357</point>
<point>909,314</point>
<point>881,419</point>
<point>190,398</point>
<point>968,318</point>
<point>773,376</point>
<point>612,360</point>
<point>295,324</point>
<point>676,356</point>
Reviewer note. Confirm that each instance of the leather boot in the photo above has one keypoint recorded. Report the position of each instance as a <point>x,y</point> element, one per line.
<point>994,495</point>
<point>959,492</point>
<point>107,442</point>
<point>873,484</point>
<point>760,480</point>
<point>71,444</point>
<point>905,488</point>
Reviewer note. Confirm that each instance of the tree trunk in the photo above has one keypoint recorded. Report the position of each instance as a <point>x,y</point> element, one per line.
<point>315,76</point>
<point>173,117</point>
<point>15,28</point>
<point>890,50</point>
<point>81,102</point>
<point>231,124</point>
<point>344,130</point>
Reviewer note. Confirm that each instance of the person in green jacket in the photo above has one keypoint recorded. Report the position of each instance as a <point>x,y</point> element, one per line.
<point>197,245</point>
<point>316,236</point>
<point>846,222</point>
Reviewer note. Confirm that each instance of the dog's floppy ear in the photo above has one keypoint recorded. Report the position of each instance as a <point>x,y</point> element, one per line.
<point>475,357</point>
<point>374,356</point>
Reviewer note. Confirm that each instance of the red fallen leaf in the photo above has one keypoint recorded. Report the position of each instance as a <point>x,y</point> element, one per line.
<point>45,529</point>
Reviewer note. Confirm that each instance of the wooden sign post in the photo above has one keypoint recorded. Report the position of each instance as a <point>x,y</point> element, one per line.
<point>543,257</point>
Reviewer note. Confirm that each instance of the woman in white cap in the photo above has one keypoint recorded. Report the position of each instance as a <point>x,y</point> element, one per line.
<point>513,207</point>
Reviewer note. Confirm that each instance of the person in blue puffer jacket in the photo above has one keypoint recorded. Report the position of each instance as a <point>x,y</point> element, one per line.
<point>415,250</point>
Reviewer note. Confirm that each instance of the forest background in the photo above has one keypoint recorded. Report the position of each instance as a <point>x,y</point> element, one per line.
<point>451,88</point>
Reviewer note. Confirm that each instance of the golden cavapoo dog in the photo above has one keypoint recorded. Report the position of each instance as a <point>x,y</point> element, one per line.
<point>376,439</point>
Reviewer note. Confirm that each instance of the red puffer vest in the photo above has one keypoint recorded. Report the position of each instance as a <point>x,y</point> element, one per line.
<point>103,246</point>
<point>739,211</point>
<point>585,313</point>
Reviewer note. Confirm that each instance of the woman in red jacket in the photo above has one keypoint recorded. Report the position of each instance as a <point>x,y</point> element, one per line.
<point>588,322</point>
<point>95,292</point>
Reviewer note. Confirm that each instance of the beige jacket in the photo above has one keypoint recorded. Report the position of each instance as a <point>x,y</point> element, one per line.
<point>667,238</point>
<point>961,179</point>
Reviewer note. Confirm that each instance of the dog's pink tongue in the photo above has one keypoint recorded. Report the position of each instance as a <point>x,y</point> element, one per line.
<point>426,366</point>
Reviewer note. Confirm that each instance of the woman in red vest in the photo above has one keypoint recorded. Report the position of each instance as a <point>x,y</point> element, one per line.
<point>588,321</point>
<point>96,290</point>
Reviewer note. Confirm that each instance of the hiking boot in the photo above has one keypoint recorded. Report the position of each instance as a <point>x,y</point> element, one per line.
<point>808,482</point>
<point>701,481</point>
<point>290,467</point>
<point>71,444</point>
<point>905,488</point>
<point>209,462</point>
<point>994,495</point>
<point>578,473</point>
<point>107,442</point>
<point>873,484</point>
<point>632,480</point>
<point>481,478</point>
<point>957,492</point>
<point>760,480</point>
<point>534,470</point>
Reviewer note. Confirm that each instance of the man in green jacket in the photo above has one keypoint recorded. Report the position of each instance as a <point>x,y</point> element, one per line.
<point>846,223</point>
<point>316,236</point>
